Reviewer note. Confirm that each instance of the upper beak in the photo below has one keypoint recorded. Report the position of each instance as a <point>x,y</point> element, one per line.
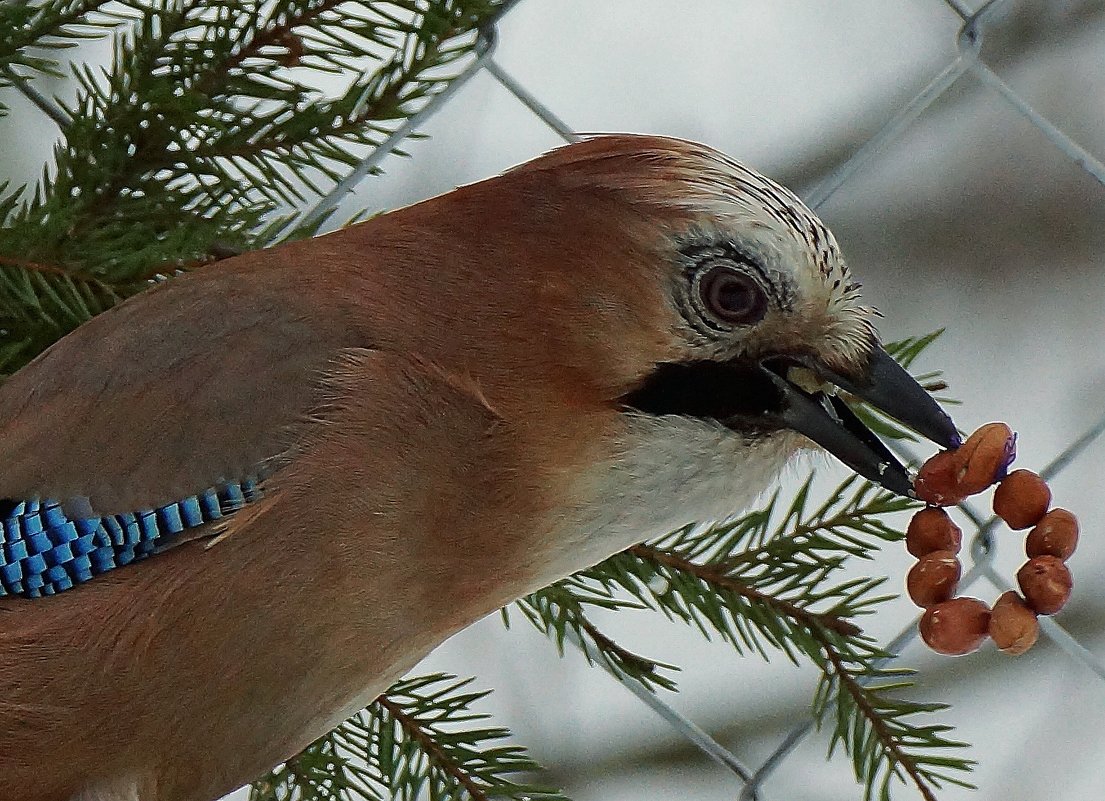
<point>828,421</point>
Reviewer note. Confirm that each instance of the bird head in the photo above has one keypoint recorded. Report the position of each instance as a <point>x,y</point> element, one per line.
<point>766,321</point>
<point>675,323</point>
<point>667,281</point>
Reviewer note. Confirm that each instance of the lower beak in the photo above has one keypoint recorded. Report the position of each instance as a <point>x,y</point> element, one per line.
<point>829,422</point>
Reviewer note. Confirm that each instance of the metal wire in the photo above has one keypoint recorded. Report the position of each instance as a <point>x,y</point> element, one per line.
<point>540,110</point>
<point>485,46</point>
<point>967,59</point>
<point>969,41</point>
<point>684,726</point>
<point>486,41</point>
<point>890,131</point>
<point>1071,149</point>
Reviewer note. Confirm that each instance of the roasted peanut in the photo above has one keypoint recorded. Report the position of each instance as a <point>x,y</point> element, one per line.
<point>955,627</point>
<point>937,481</point>
<point>1013,624</point>
<point>933,579</point>
<point>1021,499</point>
<point>932,530</point>
<point>1055,535</point>
<point>983,459</point>
<point>1046,583</point>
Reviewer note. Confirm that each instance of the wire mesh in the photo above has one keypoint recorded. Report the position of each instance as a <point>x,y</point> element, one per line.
<point>967,61</point>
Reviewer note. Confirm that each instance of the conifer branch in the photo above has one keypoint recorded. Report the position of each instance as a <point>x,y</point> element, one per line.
<point>890,743</point>
<point>561,608</point>
<point>206,123</point>
<point>435,754</point>
<point>52,270</point>
<point>49,25</point>
<point>416,740</point>
<point>765,579</point>
<point>638,664</point>
<point>716,575</point>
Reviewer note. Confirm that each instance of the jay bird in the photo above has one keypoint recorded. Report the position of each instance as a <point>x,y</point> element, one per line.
<point>242,503</point>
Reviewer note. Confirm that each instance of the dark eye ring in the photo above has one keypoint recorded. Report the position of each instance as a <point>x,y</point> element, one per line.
<point>732,296</point>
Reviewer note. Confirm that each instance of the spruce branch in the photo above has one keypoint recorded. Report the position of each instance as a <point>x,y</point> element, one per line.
<point>29,31</point>
<point>762,579</point>
<point>318,773</point>
<point>561,608</point>
<point>41,301</point>
<point>879,731</point>
<point>870,728</point>
<point>767,581</point>
<point>249,122</point>
<point>205,126</point>
<point>718,577</point>
<point>416,740</point>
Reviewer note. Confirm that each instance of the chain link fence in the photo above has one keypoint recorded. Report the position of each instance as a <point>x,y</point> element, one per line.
<point>984,576</point>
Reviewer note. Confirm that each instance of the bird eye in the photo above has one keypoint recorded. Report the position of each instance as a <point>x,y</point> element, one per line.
<point>732,296</point>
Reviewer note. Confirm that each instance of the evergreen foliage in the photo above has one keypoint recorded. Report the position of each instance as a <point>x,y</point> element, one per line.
<point>767,582</point>
<point>202,137</point>
<point>202,130</point>
<point>419,740</point>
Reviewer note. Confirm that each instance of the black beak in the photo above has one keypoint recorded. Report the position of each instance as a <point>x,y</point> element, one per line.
<point>756,397</point>
<point>828,421</point>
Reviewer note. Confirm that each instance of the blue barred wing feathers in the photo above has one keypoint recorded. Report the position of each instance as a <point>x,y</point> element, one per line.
<point>45,550</point>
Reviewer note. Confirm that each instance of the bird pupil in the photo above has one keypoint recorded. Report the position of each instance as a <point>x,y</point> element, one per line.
<point>732,296</point>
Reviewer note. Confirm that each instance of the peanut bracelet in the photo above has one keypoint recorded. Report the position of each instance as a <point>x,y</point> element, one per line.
<point>956,626</point>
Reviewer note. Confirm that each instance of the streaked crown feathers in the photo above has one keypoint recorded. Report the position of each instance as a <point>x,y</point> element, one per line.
<point>712,192</point>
